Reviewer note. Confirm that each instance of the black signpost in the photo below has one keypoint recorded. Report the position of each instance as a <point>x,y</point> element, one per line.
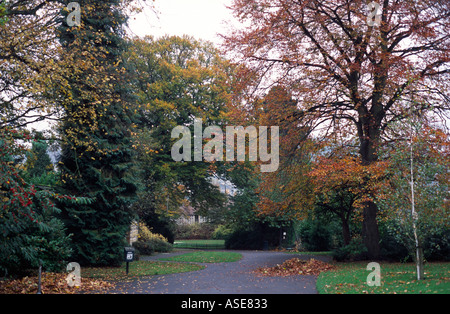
<point>129,256</point>
<point>39,279</point>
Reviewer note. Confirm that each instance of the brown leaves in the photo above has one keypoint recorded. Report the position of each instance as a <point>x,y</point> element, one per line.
<point>295,266</point>
<point>346,172</point>
<point>52,283</point>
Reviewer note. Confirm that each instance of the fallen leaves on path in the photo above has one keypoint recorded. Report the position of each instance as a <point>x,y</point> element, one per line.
<point>295,266</point>
<point>53,283</point>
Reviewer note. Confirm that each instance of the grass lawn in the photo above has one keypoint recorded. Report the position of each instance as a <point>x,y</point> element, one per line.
<point>323,253</point>
<point>206,257</point>
<point>395,278</point>
<point>138,269</point>
<point>200,244</point>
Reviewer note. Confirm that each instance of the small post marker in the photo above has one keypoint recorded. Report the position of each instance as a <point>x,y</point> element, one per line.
<point>129,257</point>
<point>39,280</point>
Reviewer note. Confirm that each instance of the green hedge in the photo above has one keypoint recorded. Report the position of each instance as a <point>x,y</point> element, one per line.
<point>196,231</point>
<point>150,246</point>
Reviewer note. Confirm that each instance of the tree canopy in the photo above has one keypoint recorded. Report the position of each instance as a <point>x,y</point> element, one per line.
<point>349,76</point>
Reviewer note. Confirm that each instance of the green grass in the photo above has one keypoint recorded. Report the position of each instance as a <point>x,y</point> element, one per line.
<point>200,244</point>
<point>138,269</point>
<point>323,253</point>
<point>350,278</point>
<point>206,257</point>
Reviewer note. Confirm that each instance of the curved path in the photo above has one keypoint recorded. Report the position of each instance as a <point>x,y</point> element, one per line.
<point>226,278</point>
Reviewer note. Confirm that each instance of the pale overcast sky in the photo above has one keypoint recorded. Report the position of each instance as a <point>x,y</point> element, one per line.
<point>202,19</point>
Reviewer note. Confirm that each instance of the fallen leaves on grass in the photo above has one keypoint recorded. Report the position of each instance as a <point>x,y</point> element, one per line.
<point>295,266</point>
<point>52,283</point>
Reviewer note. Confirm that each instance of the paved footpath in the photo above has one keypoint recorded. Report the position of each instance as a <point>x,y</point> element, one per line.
<point>226,278</point>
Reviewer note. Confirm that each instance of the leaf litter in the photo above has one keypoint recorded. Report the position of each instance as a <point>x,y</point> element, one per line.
<point>295,266</point>
<point>53,283</point>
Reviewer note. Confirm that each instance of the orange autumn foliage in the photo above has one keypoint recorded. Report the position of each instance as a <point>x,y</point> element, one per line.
<point>364,182</point>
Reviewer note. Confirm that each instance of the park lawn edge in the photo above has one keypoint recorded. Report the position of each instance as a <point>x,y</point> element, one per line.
<point>396,278</point>
<point>205,257</point>
<point>139,269</point>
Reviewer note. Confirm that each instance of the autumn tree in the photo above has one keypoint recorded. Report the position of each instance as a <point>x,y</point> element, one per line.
<point>288,191</point>
<point>418,189</point>
<point>342,185</point>
<point>349,67</point>
<point>30,232</point>
<point>28,60</point>
<point>176,79</point>
<point>266,203</point>
<point>251,227</point>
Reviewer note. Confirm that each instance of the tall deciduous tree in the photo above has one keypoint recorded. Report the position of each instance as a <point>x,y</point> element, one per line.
<point>177,79</point>
<point>347,68</point>
<point>287,192</point>
<point>28,60</point>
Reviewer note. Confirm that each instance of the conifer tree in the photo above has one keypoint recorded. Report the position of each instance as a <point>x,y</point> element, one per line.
<point>96,159</point>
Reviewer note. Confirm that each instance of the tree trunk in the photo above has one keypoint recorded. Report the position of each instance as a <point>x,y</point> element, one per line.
<point>368,151</point>
<point>345,230</point>
<point>370,232</point>
<point>419,263</point>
